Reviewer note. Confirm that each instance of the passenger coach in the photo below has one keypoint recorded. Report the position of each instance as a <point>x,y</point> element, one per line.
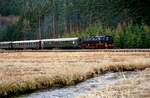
<point>61,43</point>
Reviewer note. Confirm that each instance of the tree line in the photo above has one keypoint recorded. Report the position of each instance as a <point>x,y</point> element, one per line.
<point>127,20</point>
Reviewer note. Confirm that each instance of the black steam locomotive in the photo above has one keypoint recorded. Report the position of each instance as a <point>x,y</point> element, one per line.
<point>96,42</point>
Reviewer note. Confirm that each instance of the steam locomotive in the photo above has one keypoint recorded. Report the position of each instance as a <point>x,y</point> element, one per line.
<point>96,42</point>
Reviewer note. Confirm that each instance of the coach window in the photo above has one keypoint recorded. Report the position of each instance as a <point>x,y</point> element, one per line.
<point>20,44</point>
<point>29,44</point>
<point>25,44</point>
<point>32,44</point>
<point>1,45</point>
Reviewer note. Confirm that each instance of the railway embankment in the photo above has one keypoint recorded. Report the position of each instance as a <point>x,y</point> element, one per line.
<point>24,72</point>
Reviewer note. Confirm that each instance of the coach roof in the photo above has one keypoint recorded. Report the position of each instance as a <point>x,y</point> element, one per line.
<point>61,39</point>
<point>46,40</point>
<point>5,42</point>
<point>26,41</point>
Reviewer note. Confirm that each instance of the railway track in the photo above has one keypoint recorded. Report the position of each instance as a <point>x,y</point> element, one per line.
<point>79,50</point>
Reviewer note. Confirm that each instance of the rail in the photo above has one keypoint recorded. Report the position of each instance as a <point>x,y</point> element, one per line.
<point>78,50</point>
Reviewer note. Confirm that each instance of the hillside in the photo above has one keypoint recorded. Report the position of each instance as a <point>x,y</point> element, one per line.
<point>83,18</point>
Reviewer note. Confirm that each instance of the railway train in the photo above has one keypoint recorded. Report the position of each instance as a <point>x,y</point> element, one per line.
<point>96,42</point>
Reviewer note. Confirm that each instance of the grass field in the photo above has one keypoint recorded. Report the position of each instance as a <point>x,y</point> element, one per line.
<point>24,72</point>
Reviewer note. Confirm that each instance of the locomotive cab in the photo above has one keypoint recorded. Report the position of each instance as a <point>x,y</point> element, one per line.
<point>109,42</point>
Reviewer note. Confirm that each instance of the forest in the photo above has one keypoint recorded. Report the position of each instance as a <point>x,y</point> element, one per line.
<point>128,21</point>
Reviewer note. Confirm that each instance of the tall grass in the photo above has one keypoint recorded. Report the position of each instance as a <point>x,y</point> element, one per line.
<point>135,87</point>
<point>27,72</point>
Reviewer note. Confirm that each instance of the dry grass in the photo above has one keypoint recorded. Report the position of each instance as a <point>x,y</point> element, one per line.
<point>138,87</point>
<point>24,72</point>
